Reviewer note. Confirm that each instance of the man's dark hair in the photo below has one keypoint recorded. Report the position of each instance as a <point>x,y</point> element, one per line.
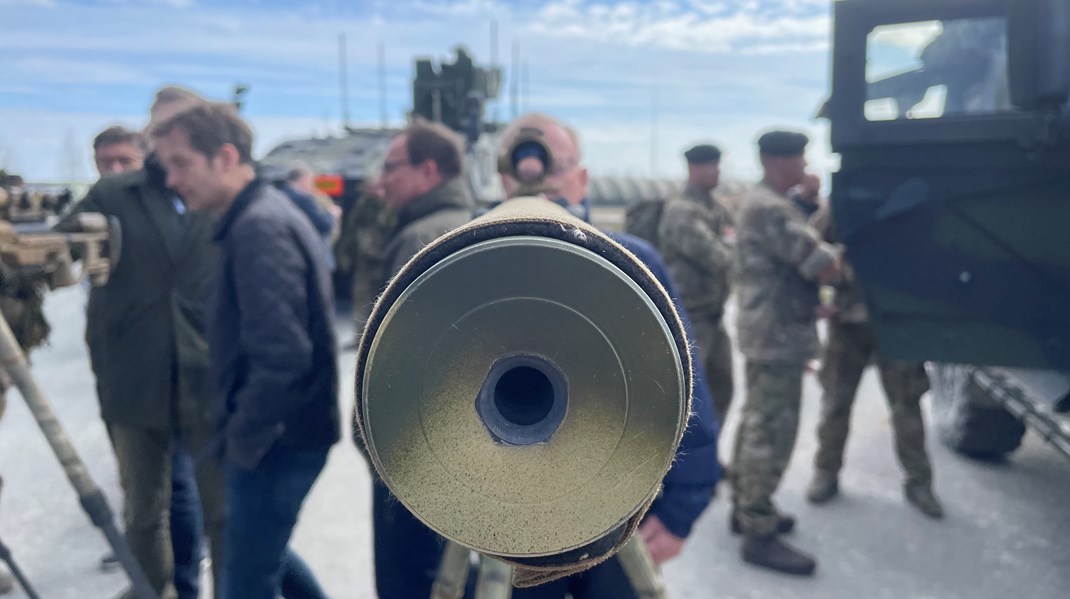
<point>210,125</point>
<point>434,141</point>
<point>117,134</point>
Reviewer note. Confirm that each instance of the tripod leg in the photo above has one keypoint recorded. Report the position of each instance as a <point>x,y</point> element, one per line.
<point>641,571</point>
<point>13,361</point>
<point>5,556</point>
<point>495,579</point>
<point>452,572</point>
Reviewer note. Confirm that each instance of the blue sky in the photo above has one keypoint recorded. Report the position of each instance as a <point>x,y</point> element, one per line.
<point>702,70</point>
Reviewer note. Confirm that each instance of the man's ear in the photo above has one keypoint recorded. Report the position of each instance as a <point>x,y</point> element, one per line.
<point>428,169</point>
<point>228,157</point>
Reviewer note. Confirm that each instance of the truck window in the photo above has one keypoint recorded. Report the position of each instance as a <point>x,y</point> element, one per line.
<point>937,69</point>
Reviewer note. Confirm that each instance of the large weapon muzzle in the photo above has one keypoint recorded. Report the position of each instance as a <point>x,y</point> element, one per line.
<point>522,386</point>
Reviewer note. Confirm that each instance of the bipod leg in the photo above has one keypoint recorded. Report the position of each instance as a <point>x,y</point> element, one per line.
<point>92,499</point>
<point>640,569</point>
<point>5,555</point>
<point>452,572</point>
<point>495,579</point>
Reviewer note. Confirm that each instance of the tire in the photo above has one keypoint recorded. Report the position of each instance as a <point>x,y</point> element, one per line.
<point>967,419</point>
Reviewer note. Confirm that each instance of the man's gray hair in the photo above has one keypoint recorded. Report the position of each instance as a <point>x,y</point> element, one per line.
<point>298,170</point>
<point>538,120</point>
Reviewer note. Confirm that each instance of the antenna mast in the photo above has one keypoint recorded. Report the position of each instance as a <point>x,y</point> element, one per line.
<point>494,58</point>
<point>382,86</point>
<point>342,80</point>
<point>515,81</point>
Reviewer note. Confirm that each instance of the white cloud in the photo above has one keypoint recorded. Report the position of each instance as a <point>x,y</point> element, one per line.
<point>909,36</point>
<point>724,70</point>
<point>169,3</point>
<point>464,8</point>
<point>713,27</point>
<point>35,142</point>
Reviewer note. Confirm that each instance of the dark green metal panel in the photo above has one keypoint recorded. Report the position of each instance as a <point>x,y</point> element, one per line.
<point>958,227</point>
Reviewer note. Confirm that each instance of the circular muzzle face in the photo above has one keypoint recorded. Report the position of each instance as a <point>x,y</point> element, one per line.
<point>523,400</point>
<point>523,397</point>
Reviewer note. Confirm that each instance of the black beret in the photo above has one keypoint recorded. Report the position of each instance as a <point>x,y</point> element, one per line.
<point>782,143</point>
<point>702,154</point>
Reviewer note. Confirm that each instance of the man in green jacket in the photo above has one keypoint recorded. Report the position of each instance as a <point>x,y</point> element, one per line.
<point>146,334</point>
<point>423,184</point>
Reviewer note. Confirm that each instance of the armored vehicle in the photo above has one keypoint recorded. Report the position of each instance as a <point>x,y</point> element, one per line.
<point>454,93</point>
<point>953,199</point>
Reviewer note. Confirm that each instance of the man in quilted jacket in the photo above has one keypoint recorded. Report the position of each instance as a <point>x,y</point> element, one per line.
<point>272,346</point>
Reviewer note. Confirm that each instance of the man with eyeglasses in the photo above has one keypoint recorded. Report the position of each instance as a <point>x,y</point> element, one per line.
<point>421,182</point>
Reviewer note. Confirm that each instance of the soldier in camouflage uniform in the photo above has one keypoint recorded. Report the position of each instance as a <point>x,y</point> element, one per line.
<point>694,239</point>
<point>21,302</point>
<point>851,348</point>
<point>780,261</point>
<point>360,250</point>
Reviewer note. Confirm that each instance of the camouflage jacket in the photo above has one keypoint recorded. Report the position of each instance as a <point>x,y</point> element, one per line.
<point>21,303</point>
<point>363,233</point>
<point>779,257</point>
<point>691,240</point>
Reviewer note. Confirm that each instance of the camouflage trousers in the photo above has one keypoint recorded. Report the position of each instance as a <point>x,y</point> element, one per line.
<point>715,352</point>
<point>851,348</point>
<point>765,439</point>
<point>144,457</point>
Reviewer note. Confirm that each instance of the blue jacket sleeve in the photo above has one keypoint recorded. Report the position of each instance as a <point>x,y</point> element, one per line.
<point>321,220</point>
<point>688,487</point>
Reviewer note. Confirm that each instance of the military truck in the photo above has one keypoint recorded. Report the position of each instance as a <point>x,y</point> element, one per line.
<point>953,199</point>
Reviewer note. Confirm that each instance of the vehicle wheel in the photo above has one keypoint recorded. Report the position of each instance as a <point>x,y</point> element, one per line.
<point>967,419</point>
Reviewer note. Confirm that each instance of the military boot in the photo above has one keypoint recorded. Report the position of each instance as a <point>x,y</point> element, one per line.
<point>772,553</point>
<point>785,523</point>
<point>824,486</point>
<point>923,498</point>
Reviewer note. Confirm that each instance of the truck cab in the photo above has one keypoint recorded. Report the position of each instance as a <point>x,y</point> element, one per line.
<point>951,121</point>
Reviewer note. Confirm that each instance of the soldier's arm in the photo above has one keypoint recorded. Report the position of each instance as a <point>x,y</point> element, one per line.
<point>822,221</point>
<point>692,238</point>
<point>797,243</point>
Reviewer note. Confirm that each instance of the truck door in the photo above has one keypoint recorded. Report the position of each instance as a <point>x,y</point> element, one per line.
<point>954,205</point>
